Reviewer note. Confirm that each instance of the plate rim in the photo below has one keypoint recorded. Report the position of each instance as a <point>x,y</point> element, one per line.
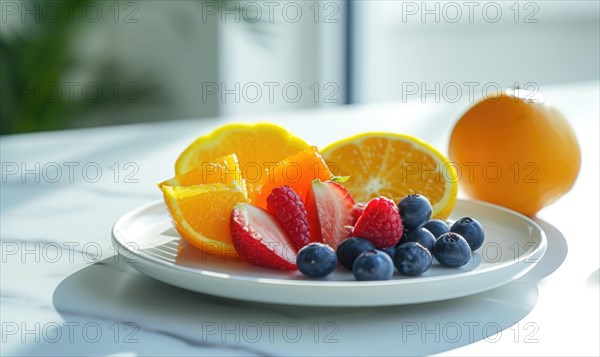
<point>539,250</point>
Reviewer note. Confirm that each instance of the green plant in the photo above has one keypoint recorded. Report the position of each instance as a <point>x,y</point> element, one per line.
<point>37,58</point>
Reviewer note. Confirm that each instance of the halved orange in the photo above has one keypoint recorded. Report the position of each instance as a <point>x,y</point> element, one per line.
<point>201,213</point>
<point>256,145</point>
<point>394,165</point>
<point>220,170</point>
<point>297,172</point>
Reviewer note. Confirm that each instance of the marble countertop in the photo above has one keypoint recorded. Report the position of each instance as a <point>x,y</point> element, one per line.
<point>64,291</point>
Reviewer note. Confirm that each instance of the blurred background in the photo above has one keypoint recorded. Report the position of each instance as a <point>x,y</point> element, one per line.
<point>81,63</point>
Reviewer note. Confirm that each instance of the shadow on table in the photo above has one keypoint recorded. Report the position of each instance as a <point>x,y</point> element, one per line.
<point>193,323</point>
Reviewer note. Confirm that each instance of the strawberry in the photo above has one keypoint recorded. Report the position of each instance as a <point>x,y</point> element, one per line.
<point>259,239</point>
<point>359,208</point>
<point>330,213</point>
<point>286,205</point>
<point>380,223</point>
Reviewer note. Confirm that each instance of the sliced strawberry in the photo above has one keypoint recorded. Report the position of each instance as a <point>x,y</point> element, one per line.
<point>330,213</point>
<point>380,223</point>
<point>286,205</point>
<point>259,238</point>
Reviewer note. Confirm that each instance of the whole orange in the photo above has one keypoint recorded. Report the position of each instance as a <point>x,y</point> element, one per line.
<point>515,150</point>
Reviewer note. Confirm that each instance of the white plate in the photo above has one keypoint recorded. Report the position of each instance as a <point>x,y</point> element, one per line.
<point>147,241</point>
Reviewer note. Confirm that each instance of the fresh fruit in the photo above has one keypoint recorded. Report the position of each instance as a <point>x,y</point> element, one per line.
<point>256,146</point>
<point>373,265</point>
<point>437,227</point>
<point>330,213</point>
<point>285,205</point>
<point>359,208</point>
<point>515,150</point>
<point>412,259</point>
<point>380,223</point>
<point>200,214</point>
<point>415,210</point>
<point>297,172</point>
<point>394,166</point>
<point>391,251</point>
<point>452,250</point>
<point>471,230</point>
<point>259,239</point>
<point>421,236</point>
<point>403,238</point>
<point>350,249</point>
<point>221,170</point>
<point>316,260</point>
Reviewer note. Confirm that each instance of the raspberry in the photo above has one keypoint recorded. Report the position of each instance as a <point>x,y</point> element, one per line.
<point>286,205</point>
<point>380,223</point>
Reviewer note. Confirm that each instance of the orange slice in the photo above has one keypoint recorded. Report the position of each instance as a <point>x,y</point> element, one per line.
<point>201,214</point>
<point>221,170</point>
<point>297,172</point>
<point>394,165</point>
<point>256,145</point>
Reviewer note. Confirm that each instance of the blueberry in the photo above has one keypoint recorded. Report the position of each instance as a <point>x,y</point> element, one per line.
<point>471,230</point>
<point>452,250</point>
<point>351,248</point>
<point>373,265</point>
<point>421,236</point>
<point>437,227</point>
<point>403,238</point>
<point>412,259</point>
<point>389,251</point>
<point>415,210</point>
<point>316,260</point>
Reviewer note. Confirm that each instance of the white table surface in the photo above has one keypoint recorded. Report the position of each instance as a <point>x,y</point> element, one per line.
<point>64,292</point>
